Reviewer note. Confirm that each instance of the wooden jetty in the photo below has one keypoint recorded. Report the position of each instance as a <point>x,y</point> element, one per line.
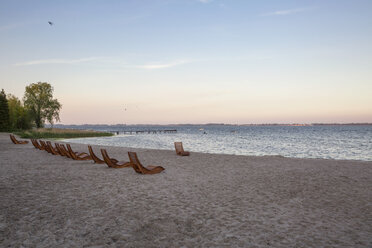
<point>144,131</point>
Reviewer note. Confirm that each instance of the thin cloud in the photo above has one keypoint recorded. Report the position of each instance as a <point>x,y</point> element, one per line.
<point>102,61</point>
<point>286,12</point>
<point>161,66</point>
<point>57,61</point>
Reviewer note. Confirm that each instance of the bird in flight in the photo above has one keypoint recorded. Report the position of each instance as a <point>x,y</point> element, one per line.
<point>50,23</point>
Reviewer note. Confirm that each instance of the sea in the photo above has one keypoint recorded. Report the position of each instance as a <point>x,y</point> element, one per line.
<point>343,142</point>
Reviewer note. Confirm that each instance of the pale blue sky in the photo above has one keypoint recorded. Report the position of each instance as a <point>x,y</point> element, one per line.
<point>193,61</point>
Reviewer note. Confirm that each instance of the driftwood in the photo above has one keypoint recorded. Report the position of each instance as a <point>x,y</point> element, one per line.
<point>78,156</point>
<point>179,149</point>
<point>113,163</point>
<point>139,168</point>
<point>17,142</point>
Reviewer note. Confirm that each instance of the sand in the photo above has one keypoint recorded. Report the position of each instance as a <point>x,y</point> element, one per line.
<point>205,200</point>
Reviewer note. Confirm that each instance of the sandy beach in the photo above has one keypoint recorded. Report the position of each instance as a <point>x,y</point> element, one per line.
<point>204,200</point>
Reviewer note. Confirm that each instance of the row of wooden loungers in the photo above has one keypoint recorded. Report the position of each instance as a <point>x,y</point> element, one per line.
<point>60,149</point>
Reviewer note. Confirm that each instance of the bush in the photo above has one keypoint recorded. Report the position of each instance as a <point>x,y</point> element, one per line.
<point>55,133</point>
<point>19,116</point>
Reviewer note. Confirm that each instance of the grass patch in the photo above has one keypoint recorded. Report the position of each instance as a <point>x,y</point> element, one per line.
<point>59,133</point>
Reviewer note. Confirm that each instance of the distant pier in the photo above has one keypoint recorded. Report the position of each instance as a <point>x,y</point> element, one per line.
<point>144,131</point>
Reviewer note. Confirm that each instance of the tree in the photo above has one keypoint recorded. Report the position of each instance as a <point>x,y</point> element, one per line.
<point>4,112</point>
<point>53,112</point>
<point>19,116</point>
<point>39,100</point>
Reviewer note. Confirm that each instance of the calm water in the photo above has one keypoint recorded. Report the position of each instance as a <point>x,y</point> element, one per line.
<point>331,142</point>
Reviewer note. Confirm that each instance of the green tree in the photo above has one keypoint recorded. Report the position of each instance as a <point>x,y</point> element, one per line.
<point>4,112</point>
<point>19,116</point>
<point>39,100</point>
<point>53,112</point>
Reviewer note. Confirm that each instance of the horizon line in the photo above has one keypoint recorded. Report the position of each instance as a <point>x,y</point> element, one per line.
<point>230,124</point>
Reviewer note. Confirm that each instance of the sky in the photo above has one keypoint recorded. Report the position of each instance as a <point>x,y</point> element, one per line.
<point>193,61</point>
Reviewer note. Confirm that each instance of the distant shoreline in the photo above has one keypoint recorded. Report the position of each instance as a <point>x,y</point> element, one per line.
<point>223,124</point>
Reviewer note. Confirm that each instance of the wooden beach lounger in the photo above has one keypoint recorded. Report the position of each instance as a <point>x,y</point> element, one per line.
<point>96,159</point>
<point>179,149</point>
<point>139,168</point>
<point>44,146</point>
<point>113,163</point>
<point>52,150</point>
<point>36,144</point>
<point>78,156</point>
<point>17,142</point>
<point>63,150</point>
<point>60,150</point>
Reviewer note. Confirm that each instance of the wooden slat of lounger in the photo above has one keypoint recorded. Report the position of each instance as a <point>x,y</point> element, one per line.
<point>139,168</point>
<point>113,163</point>
<point>80,156</point>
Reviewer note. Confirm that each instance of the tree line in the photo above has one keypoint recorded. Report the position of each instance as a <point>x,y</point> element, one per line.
<point>36,108</point>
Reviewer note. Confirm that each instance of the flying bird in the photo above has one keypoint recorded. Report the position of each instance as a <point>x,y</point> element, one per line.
<point>50,23</point>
